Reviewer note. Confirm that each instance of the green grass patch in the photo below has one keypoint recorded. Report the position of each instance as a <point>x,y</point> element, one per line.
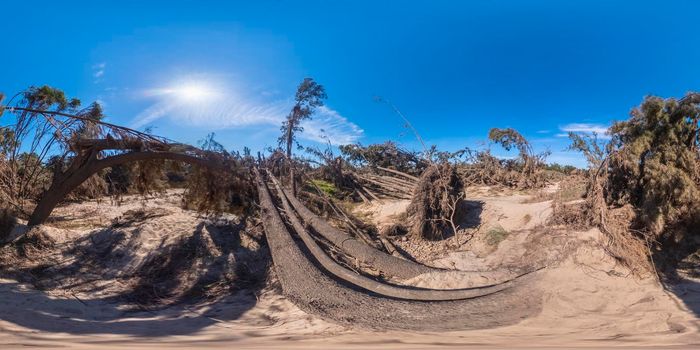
<point>496,235</point>
<point>325,186</point>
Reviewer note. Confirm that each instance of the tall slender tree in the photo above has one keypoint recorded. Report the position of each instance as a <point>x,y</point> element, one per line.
<point>309,96</point>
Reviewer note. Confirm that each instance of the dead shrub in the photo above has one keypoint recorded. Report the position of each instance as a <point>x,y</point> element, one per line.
<point>386,155</point>
<point>93,188</point>
<point>148,177</point>
<point>217,191</point>
<point>573,215</point>
<point>495,235</point>
<point>526,171</point>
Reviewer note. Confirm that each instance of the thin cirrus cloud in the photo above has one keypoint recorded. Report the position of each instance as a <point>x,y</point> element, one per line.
<point>98,70</point>
<point>329,126</point>
<point>219,109</point>
<point>584,128</point>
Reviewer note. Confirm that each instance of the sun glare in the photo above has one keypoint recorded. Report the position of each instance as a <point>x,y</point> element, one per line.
<point>194,92</point>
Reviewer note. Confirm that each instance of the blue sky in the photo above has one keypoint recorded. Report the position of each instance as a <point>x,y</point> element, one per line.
<point>454,68</point>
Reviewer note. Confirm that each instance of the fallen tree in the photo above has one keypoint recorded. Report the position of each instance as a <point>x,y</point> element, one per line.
<point>386,263</point>
<point>384,289</point>
<point>315,292</point>
<point>54,147</point>
<point>87,162</point>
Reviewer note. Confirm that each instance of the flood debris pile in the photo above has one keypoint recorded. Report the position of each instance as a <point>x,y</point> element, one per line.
<point>525,171</point>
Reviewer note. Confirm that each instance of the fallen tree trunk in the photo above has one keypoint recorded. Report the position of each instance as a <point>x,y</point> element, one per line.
<point>394,180</point>
<point>388,264</point>
<point>374,286</point>
<point>314,292</point>
<point>364,198</point>
<point>370,193</point>
<point>386,185</point>
<point>410,177</point>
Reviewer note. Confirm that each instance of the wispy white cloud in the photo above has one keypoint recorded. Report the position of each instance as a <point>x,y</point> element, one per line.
<point>583,128</point>
<point>329,125</point>
<point>226,109</point>
<point>98,70</point>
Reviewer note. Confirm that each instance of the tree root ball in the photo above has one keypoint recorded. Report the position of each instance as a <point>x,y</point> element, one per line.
<point>434,206</point>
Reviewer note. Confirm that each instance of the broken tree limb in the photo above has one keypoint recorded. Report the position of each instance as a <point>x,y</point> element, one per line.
<point>385,184</point>
<point>411,177</point>
<point>364,198</point>
<point>393,180</point>
<point>389,247</point>
<point>370,193</point>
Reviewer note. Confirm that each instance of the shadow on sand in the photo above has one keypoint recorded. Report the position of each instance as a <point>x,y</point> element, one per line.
<point>237,271</point>
<point>681,273</point>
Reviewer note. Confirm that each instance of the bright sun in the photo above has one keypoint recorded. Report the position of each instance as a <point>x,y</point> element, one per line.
<point>194,92</point>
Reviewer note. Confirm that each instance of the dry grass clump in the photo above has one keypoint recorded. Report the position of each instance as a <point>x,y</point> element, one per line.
<point>434,206</point>
<point>496,235</point>
<point>573,215</point>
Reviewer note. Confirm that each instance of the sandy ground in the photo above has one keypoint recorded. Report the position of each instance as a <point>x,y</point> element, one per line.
<point>588,301</point>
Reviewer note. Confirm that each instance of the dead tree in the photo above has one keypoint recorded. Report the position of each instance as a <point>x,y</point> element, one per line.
<point>53,146</point>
